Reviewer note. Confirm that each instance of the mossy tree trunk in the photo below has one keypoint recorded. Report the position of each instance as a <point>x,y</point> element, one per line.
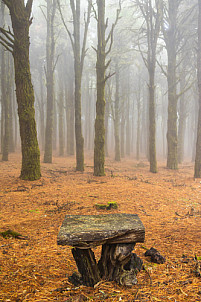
<point>170,40</point>
<point>50,52</point>
<point>101,66</point>
<point>99,142</point>
<point>197,168</point>
<point>18,43</point>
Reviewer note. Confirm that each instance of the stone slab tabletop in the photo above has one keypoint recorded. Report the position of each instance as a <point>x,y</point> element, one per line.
<point>87,231</point>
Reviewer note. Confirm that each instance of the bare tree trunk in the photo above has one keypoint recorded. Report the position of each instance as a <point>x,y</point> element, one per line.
<point>181,129</point>
<point>123,132</point>
<point>138,123</point>
<point>70,118</point>
<point>107,112</point>
<point>61,120</point>
<point>128,136</point>
<point>50,51</point>
<point>11,108</point>
<point>7,102</point>
<point>172,140</point>
<point>3,79</point>
<point>197,168</point>
<point>116,118</point>
<point>152,122</point>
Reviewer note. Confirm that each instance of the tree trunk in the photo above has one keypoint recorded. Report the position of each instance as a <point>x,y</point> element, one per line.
<point>172,158</point>
<point>3,79</point>
<point>78,65</point>
<point>20,16</point>
<point>50,50</point>
<point>11,108</point>
<point>152,123</point>
<point>87,266</point>
<point>6,110</point>
<point>78,120</point>
<point>197,168</point>
<point>107,112</point>
<point>138,125</point>
<point>116,119</point>
<point>70,117</point>
<point>123,132</point>
<point>181,129</point>
<point>99,142</point>
<point>128,137</point>
<point>42,112</point>
<point>61,122</point>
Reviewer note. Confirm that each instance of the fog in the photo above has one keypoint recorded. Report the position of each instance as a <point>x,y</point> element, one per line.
<point>151,94</point>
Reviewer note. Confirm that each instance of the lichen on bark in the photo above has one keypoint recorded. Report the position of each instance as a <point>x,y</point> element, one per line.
<point>20,17</point>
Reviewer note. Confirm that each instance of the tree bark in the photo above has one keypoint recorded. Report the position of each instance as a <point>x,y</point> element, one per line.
<point>116,118</point>
<point>170,38</point>
<point>181,130</point>
<point>99,142</point>
<point>7,103</point>
<point>50,51</point>
<point>3,84</point>
<point>20,17</point>
<point>152,122</point>
<point>61,121</point>
<point>197,168</point>
<point>87,266</point>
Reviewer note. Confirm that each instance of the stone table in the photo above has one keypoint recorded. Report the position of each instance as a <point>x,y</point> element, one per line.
<point>117,233</point>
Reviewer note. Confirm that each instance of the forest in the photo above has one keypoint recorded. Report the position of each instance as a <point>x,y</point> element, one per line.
<point>100,113</point>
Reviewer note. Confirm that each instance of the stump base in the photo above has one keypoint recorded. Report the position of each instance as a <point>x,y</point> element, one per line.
<point>117,263</point>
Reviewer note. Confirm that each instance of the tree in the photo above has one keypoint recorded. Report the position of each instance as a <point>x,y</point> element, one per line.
<point>197,168</point>
<point>101,66</point>
<point>50,52</point>
<point>79,56</point>
<point>18,44</point>
<point>153,17</point>
<point>117,114</point>
<point>171,46</point>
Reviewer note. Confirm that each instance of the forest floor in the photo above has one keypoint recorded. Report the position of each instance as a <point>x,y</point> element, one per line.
<point>37,269</point>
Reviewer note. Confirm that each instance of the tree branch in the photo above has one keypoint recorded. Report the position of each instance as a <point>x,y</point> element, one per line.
<point>111,33</point>
<point>5,45</point>
<point>7,34</point>
<point>7,3</point>
<point>85,34</point>
<point>29,7</point>
<point>67,30</point>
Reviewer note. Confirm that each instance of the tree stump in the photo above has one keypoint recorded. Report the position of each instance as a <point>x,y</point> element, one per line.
<point>87,266</point>
<point>117,233</point>
<point>112,263</point>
